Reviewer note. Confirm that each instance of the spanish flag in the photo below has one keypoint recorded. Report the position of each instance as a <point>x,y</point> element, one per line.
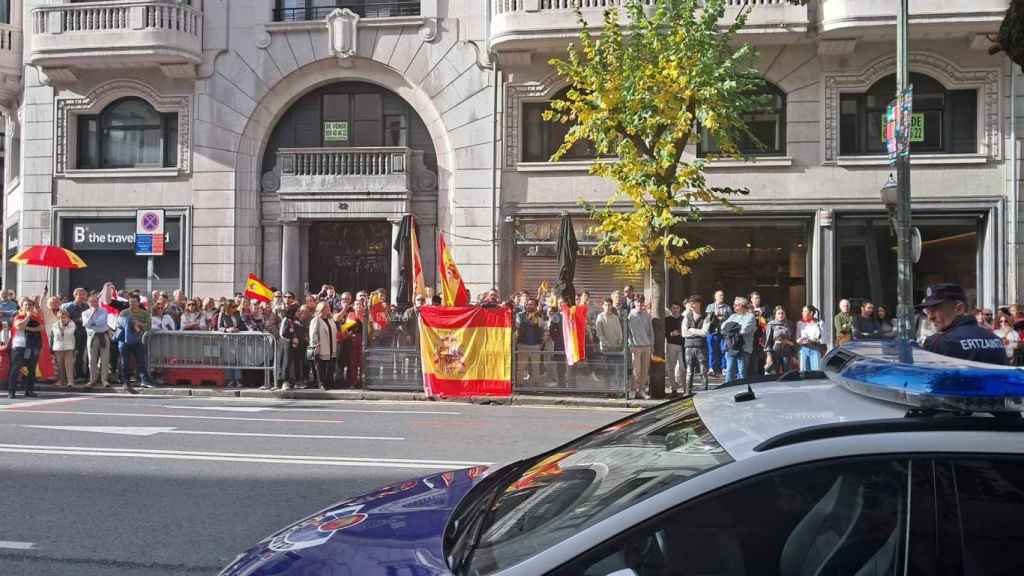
<point>574,333</point>
<point>255,289</point>
<point>466,351</point>
<point>419,287</point>
<point>453,290</point>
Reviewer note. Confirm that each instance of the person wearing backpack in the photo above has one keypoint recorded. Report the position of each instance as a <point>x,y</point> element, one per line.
<point>738,334</point>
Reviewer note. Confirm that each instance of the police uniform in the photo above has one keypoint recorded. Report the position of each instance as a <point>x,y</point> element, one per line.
<point>963,338</point>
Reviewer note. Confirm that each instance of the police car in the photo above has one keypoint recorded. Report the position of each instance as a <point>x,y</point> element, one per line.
<point>892,461</point>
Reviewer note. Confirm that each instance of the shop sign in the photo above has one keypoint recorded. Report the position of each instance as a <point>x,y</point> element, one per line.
<point>335,131</point>
<point>114,235</point>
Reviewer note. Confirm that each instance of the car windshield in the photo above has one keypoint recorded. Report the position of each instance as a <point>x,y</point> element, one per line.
<point>589,480</point>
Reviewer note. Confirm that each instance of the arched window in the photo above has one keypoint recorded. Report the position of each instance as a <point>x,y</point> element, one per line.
<point>542,138</point>
<point>129,133</point>
<point>768,126</point>
<point>944,121</point>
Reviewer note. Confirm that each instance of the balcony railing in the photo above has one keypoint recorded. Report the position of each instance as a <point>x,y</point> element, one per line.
<point>364,8</point>
<point>504,6</point>
<point>345,170</point>
<point>133,32</point>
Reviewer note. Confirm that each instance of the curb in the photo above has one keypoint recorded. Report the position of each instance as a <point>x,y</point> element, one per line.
<point>366,395</point>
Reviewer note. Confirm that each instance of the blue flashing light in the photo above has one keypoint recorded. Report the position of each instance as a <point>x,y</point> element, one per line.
<point>905,374</point>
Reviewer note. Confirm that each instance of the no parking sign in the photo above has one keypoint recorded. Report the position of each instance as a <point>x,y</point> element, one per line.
<point>149,233</point>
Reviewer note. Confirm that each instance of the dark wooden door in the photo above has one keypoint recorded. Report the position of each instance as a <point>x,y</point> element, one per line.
<point>351,255</point>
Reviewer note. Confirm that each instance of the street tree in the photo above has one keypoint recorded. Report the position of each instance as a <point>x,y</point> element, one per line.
<point>640,91</point>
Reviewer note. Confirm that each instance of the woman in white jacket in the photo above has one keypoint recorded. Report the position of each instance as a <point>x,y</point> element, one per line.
<point>62,342</point>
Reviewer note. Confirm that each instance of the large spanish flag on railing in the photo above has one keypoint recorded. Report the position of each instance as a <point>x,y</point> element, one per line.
<point>466,351</point>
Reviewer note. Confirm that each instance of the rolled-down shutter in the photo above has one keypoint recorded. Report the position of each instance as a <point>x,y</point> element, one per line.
<point>591,275</point>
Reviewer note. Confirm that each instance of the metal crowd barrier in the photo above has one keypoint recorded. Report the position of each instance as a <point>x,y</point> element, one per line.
<point>391,357</point>
<point>218,351</point>
<point>546,371</point>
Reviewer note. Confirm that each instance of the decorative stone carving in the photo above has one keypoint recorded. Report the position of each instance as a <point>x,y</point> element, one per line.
<point>342,32</point>
<point>953,77</point>
<point>428,31</point>
<point>104,94</point>
<point>271,181</point>
<point>515,95</point>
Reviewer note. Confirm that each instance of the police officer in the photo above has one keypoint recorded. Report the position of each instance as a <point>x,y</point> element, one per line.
<point>958,333</point>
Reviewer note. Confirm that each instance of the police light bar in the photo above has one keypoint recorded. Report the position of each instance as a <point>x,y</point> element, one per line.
<point>905,374</point>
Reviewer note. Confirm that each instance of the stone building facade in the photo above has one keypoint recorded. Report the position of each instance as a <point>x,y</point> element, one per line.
<point>288,138</point>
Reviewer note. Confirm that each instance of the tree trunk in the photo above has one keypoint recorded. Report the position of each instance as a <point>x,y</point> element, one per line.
<point>657,304</point>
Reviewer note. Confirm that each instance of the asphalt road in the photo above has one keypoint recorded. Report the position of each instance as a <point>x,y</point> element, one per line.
<point>107,485</point>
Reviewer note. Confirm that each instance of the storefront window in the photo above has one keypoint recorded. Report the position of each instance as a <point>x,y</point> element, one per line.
<point>867,256</point>
<point>769,257</point>
<point>128,134</point>
<point>768,126</point>
<point>944,121</point>
<point>542,138</point>
<point>536,261</point>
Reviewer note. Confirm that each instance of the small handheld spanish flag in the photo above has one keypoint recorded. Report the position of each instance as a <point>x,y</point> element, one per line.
<point>453,290</point>
<point>255,289</point>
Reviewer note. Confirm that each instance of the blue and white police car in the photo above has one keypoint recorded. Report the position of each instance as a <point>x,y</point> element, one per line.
<point>893,460</point>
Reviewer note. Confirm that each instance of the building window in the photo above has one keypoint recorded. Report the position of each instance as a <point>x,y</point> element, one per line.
<point>768,127</point>
<point>129,133</point>
<point>299,10</point>
<point>542,138</point>
<point>944,121</point>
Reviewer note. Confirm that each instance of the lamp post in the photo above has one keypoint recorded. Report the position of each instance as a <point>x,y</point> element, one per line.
<point>903,224</point>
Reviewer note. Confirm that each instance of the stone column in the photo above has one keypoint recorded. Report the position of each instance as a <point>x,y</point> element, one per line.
<point>291,247</point>
<point>396,265</point>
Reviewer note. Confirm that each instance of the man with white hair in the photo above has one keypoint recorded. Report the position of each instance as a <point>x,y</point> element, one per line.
<point>738,334</point>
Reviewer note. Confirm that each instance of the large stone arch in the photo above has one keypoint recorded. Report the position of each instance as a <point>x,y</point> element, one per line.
<point>255,83</point>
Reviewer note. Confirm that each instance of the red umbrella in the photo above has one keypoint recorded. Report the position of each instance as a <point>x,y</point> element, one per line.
<point>48,257</point>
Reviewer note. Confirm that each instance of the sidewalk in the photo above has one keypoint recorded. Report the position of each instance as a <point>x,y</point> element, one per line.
<point>379,395</point>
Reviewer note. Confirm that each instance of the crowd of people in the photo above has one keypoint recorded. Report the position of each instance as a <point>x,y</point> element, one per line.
<point>97,339</point>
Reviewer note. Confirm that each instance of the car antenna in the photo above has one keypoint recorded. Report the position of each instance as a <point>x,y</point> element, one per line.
<point>745,396</point>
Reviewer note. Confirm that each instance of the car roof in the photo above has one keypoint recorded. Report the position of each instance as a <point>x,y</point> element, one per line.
<point>781,407</point>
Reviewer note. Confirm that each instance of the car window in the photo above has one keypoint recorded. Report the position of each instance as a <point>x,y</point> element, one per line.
<point>835,518</point>
<point>991,505</point>
<point>593,478</point>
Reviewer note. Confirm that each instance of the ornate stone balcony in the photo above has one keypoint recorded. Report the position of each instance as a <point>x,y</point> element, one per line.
<point>846,17</point>
<point>118,34</point>
<point>10,63</point>
<point>380,180</point>
<point>523,25</point>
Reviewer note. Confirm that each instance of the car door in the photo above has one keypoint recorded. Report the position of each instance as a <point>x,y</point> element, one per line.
<point>847,516</point>
<point>983,502</point>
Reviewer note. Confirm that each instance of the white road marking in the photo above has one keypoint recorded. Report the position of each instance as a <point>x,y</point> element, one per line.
<point>186,416</point>
<point>33,403</point>
<point>8,545</point>
<point>152,430</point>
<point>296,409</point>
<point>238,457</point>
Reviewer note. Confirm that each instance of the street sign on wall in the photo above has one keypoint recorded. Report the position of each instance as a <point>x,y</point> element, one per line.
<point>149,232</point>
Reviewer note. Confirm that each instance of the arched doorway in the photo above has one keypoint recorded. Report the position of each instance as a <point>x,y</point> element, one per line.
<point>346,161</point>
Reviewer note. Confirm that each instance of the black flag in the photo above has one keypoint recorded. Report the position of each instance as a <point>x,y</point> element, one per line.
<point>567,247</point>
<point>403,245</point>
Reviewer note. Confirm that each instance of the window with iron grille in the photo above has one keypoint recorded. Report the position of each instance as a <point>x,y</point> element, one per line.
<point>299,10</point>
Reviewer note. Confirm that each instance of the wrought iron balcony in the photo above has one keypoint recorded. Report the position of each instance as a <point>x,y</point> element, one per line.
<point>536,24</point>
<point>133,33</point>
<point>364,8</point>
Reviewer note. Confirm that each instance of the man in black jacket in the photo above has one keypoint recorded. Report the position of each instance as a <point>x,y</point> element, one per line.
<point>865,325</point>
<point>675,367</point>
<point>958,334</point>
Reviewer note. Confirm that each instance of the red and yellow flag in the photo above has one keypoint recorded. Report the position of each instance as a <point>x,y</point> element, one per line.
<point>453,290</point>
<point>255,289</point>
<point>419,287</point>
<point>574,333</point>
<point>466,351</point>
<point>378,311</point>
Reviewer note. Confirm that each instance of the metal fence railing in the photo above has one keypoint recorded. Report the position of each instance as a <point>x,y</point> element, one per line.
<point>391,357</point>
<point>198,353</point>
<point>546,371</point>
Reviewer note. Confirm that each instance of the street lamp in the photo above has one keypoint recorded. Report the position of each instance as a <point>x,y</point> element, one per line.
<point>890,194</point>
